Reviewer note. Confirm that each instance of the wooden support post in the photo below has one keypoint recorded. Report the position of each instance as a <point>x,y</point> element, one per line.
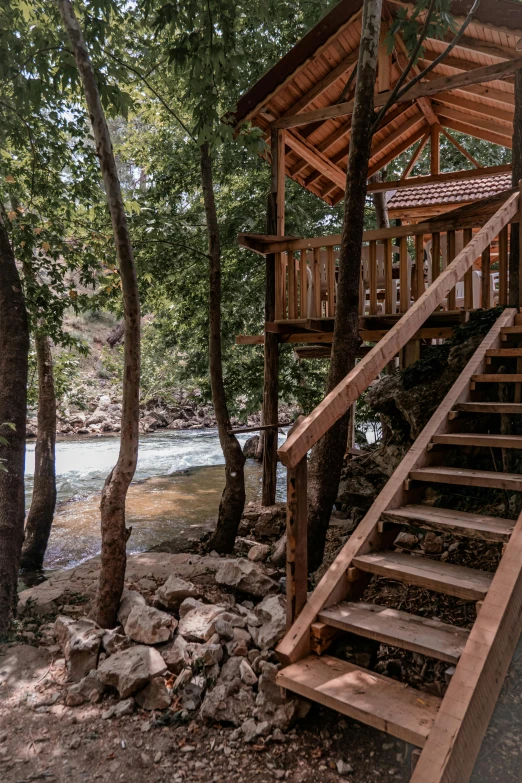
<point>372,255</point>
<point>296,541</point>
<point>403,275</point>
<point>435,150</point>
<point>292,288</point>
<point>435,256</point>
<point>316,275</point>
<point>468,277</point>
<point>303,285</point>
<point>388,277</point>
<point>419,266</point>
<point>503,266</point>
<point>450,238</point>
<point>330,277</point>
<point>275,225</point>
<point>486,278</point>
<point>519,300</point>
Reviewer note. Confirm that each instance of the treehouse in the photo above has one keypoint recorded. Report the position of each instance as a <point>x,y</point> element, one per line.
<point>448,255</point>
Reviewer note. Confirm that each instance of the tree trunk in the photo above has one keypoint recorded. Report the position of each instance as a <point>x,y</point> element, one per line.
<point>14,349</point>
<point>41,513</point>
<point>232,500</point>
<point>514,250</point>
<point>327,456</point>
<point>113,530</point>
<point>379,202</point>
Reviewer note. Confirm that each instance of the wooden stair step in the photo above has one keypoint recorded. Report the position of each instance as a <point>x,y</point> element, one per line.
<point>511,329</point>
<point>468,478</point>
<point>505,352</point>
<point>398,629</point>
<point>371,698</point>
<point>461,523</point>
<point>489,407</point>
<point>497,378</point>
<point>479,439</point>
<point>459,581</point>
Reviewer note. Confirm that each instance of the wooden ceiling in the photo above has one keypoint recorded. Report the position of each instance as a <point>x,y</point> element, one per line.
<point>315,74</point>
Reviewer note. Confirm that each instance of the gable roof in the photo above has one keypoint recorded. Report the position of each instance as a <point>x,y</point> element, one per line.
<point>314,73</point>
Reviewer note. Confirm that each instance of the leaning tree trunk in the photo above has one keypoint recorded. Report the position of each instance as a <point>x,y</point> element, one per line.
<point>233,498</point>
<point>113,530</point>
<point>41,513</point>
<point>327,456</point>
<point>14,350</point>
<point>514,251</point>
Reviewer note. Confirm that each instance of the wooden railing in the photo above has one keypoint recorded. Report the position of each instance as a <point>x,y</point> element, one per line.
<point>306,433</point>
<point>397,266</point>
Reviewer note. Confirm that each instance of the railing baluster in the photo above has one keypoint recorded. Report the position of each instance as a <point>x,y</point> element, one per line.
<point>373,277</point>
<point>296,540</point>
<point>403,275</point>
<point>435,256</point>
<point>388,277</point>
<point>278,285</point>
<point>451,255</point>
<point>316,274</point>
<point>291,286</point>
<point>362,293</point>
<point>503,266</point>
<point>330,276</point>
<point>486,277</point>
<point>419,266</point>
<point>303,284</point>
<point>468,277</point>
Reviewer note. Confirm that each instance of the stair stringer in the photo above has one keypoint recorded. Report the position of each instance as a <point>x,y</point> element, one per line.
<point>334,587</point>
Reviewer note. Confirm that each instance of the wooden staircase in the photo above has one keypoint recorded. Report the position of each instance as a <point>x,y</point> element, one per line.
<point>449,729</point>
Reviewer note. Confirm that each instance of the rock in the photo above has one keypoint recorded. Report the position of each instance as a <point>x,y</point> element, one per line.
<point>149,626</point>
<point>42,599</point>
<point>279,554</point>
<point>90,689</point>
<point>272,612</point>
<point>343,768</point>
<point>80,641</point>
<point>246,673</point>
<point>130,599</point>
<point>129,670</point>
<point>181,654</point>
<point>188,605</point>
<point>230,670</point>
<point>252,729</point>
<point>175,590</point>
<point>154,696</point>
<point>432,543</point>
<point>228,702</point>
<point>267,683</point>
<point>259,553</point>
<point>245,576</point>
<point>250,447</point>
<point>270,522</point>
<point>406,540</point>
<point>224,629</point>
<point>112,641</point>
<point>199,624</point>
<point>119,710</point>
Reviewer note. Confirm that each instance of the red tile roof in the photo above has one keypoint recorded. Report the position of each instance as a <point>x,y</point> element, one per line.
<point>457,192</point>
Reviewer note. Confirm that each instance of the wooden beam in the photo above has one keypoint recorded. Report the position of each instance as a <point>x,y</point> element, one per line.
<point>416,155</point>
<point>346,66</point>
<point>423,89</point>
<point>384,63</point>
<point>477,132</point>
<point>435,150</point>
<point>478,122</point>
<point>396,151</point>
<point>403,56</point>
<point>319,161</point>
<point>460,148</point>
<point>384,143</point>
<point>483,110</point>
<point>356,382</point>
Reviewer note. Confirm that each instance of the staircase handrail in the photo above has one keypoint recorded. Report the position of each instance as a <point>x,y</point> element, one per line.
<point>336,404</point>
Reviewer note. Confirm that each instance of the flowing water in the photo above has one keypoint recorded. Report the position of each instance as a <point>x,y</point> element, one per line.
<point>177,487</point>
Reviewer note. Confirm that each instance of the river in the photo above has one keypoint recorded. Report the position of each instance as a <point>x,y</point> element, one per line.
<point>177,487</point>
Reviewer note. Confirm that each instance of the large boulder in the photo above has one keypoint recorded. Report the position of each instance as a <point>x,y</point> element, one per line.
<point>272,612</point>
<point>245,576</point>
<point>130,670</point>
<point>174,592</point>
<point>182,654</point>
<point>149,626</point>
<point>80,641</point>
